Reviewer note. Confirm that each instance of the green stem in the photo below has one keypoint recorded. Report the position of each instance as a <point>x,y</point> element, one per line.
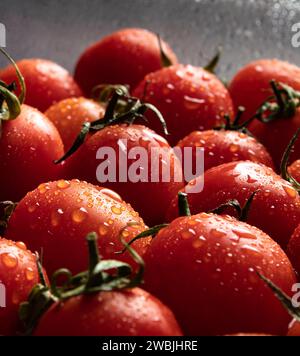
<point>183,204</point>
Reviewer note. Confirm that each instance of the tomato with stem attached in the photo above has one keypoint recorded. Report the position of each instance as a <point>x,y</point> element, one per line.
<point>189,98</point>
<point>105,300</point>
<point>275,207</point>
<point>198,262</point>
<point>123,57</point>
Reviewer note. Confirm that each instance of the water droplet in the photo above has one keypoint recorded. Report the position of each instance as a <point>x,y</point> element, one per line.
<point>29,274</point>
<point>21,245</point>
<point>79,215</point>
<point>291,192</point>
<point>218,233</point>
<point>63,184</point>
<point>43,188</point>
<point>192,103</point>
<point>111,194</point>
<point>9,260</point>
<point>233,148</point>
<point>103,229</point>
<point>116,210</point>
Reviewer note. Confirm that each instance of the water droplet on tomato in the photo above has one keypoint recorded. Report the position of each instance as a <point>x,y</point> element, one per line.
<point>79,215</point>
<point>9,260</point>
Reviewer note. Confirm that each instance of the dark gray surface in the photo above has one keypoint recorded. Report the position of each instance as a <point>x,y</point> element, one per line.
<point>247,29</point>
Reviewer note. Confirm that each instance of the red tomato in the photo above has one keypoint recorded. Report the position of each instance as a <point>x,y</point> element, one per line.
<point>276,135</point>
<point>276,205</point>
<point>69,114</point>
<point>150,199</point>
<point>294,170</point>
<point>18,275</point>
<point>28,146</point>
<point>294,249</point>
<point>189,98</point>
<point>294,328</point>
<point>124,57</point>
<point>226,146</point>
<point>57,216</point>
<point>214,260</point>
<point>131,312</point>
<point>251,85</point>
<point>46,82</point>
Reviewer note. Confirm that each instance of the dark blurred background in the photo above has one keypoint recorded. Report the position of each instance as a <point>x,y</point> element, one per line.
<point>247,29</point>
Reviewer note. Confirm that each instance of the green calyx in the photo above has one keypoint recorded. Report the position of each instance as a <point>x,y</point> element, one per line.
<point>285,161</point>
<point>213,63</point>
<point>242,211</point>
<point>121,109</point>
<point>281,105</point>
<point>10,104</point>
<point>165,60</point>
<point>236,124</point>
<point>6,210</point>
<point>101,276</point>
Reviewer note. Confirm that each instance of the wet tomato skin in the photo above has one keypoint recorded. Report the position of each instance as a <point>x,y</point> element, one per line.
<point>293,249</point>
<point>251,85</point>
<point>294,329</point>
<point>69,114</point>
<point>276,135</point>
<point>18,275</point>
<point>118,313</point>
<point>46,82</point>
<point>215,259</point>
<point>276,205</point>
<point>294,170</point>
<point>151,199</point>
<point>190,98</point>
<point>123,57</point>
<point>28,147</point>
<point>57,216</point>
<point>226,146</point>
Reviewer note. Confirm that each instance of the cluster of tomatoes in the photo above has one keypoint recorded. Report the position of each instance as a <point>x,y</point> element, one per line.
<point>216,262</point>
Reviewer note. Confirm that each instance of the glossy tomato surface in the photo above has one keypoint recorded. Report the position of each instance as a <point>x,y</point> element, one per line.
<point>146,180</point>
<point>225,146</point>
<point>250,87</point>
<point>69,114</point>
<point>18,275</point>
<point>46,82</point>
<point>275,208</point>
<point>28,147</point>
<point>123,57</point>
<point>190,98</point>
<point>118,313</point>
<point>57,216</point>
<point>204,268</point>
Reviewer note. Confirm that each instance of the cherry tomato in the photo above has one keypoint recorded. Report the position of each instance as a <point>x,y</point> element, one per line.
<point>124,57</point>
<point>69,114</point>
<point>150,198</point>
<point>189,98</point>
<point>275,208</point>
<point>131,312</point>
<point>226,146</point>
<point>251,85</point>
<point>28,146</point>
<point>276,135</point>
<point>18,275</point>
<point>57,216</point>
<point>204,268</point>
<point>294,170</point>
<point>46,82</point>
